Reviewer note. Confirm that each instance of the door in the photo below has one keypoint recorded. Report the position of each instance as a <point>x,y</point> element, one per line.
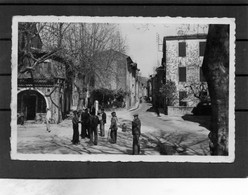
<point>30,106</point>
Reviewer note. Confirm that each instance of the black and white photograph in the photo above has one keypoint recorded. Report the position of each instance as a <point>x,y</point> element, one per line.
<point>151,89</point>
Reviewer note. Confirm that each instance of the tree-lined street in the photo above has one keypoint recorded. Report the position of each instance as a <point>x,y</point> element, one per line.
<point>159,135</point>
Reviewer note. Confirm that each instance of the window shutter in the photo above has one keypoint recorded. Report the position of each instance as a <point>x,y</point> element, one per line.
<point>202,48</point>
<point>182,74</point>
<point>182,49</point>
<point>202,78</point>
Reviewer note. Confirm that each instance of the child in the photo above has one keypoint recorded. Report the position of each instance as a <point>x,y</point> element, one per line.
<point>75,121</point>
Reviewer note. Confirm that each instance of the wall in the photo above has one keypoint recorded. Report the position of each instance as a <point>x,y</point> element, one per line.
<point>179,110</point>
<point>192,61</point>
<point>110,71</point>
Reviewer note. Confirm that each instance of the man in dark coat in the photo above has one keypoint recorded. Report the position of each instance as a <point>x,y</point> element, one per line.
<point>94,121</point>
<point>136,125</point>
<point>85,118</point>
<point>75,121</point>
<point>102,122</point>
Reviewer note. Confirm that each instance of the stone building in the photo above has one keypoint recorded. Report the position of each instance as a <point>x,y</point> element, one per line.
<point>114,71</point>
<point>142,83</point>
<point>149,88</point>
<point>46,87</point>
<point>132,86</point>
<point>182,59</point>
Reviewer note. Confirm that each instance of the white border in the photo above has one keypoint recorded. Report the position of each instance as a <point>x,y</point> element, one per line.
<point>123,158</point>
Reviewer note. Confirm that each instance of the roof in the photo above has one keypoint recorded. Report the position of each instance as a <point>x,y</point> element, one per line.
<point>184,37</point>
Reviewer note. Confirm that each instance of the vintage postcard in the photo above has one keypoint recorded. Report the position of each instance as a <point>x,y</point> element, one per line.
<point>123,89</point>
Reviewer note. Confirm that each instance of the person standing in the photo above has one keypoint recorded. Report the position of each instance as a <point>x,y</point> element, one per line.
<point>48,120</point>
<point>113,127</point>
<point>136,126</point>
<point>85,120</point>
<point>102,122</point>
<point>94,121</point>
<point>75,121</point>
<point>157,108</point>
<point>93,110</point>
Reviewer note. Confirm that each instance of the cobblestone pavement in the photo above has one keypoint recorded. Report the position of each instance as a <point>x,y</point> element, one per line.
<point>160,135</point>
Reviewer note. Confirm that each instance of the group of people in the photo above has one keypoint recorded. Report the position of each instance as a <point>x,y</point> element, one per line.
<point>89,127</point>
<point>90,123</point>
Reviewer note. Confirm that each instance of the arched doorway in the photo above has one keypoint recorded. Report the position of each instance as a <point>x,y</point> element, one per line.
<point>30,103</point>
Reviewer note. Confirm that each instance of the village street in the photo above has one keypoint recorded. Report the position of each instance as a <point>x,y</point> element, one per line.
<point>160,135</point>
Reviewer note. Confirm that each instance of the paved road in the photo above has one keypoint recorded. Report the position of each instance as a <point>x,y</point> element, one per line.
<point>160,135</point>
<point>187,132</point>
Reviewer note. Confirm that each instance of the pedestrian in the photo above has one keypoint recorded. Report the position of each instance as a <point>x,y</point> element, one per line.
<point>94,121</point>
<point>75,121</point>
<point>48,120</point>
<point>113,127</point>
<point>102,122</point>
<point>85,121</point>
<point>22,118</point>
<point>157,108</point>
<point>136,126</point>
<point>93,110</point>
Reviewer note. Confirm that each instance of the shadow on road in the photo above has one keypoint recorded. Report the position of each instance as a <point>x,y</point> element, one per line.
<point>203,121</point>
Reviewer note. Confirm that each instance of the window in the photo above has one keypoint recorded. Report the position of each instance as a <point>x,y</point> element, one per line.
<point>182,95</point>
<point>202,46</point>
<point>182,74</point>
<point>202,78</point>
<point>182,49</point>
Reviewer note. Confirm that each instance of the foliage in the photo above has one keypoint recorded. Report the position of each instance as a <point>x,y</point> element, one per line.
<point>120,95</point>
<point>199,90</point>
<point>168,91</point>
<point>109,98</point>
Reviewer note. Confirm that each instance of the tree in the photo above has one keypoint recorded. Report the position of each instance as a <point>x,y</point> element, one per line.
<point>28,35</point>
<point>185,29</point>
<point>216,71</point>
<point>199,90</point>
<point>168,91</point>
<point>31,56</point>
<point>82,43</point>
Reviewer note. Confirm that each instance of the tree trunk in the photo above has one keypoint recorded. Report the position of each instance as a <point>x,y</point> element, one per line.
<point>80,99</point>
<point>216,71</point>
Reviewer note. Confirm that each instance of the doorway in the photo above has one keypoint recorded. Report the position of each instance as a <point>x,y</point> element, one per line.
<point>30,106</point>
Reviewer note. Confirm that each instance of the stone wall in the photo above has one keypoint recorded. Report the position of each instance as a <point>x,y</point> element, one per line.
<point>56,116</point>
<point>179,110</point>
<point>192,61</point>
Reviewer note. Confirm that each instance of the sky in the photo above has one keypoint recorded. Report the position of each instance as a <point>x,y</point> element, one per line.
<point>143,47</point>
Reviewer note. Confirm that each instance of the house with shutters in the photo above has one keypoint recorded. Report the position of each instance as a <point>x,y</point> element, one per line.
<point>182,61</point>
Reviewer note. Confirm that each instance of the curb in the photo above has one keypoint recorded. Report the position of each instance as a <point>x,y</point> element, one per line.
<point>135,107</point>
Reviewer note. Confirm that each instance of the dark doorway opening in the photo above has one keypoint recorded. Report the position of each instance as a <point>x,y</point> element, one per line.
<point>30,104</point>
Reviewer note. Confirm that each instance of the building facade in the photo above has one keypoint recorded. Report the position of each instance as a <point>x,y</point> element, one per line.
<point>45,86</point>
<point>47,89</point>
<point>113,71</point>
<point>182,59</point>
